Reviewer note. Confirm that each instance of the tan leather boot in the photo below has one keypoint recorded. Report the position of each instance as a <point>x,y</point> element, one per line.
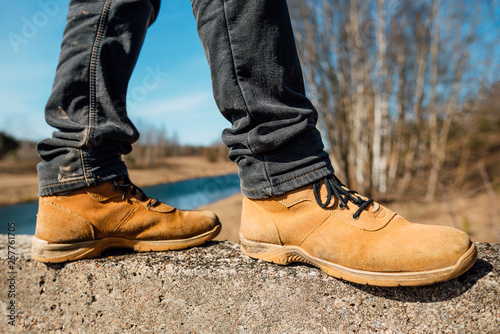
<point>88,221</point>
<point>352,238</point>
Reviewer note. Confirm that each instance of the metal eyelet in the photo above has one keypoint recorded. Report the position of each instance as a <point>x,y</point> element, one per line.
<point>354,218</point>
<point>375,207</point>
<point>341,206</point>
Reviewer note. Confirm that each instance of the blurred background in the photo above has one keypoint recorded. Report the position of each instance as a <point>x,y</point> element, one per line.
<point>408,94</point>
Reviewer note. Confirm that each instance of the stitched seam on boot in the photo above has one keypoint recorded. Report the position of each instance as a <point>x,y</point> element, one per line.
<point>272,221</point>
<point>128,216</point>
<point>296,201</point>
<point>97,197</point>
<point>71,213</point>
<point>348,222</point>
<point>315,229</point>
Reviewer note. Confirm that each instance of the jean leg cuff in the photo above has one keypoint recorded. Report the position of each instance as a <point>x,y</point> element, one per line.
<point>289,182</point>
<point>79,183</point>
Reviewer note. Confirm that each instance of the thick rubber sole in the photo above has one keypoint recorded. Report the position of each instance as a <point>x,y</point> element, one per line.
<point>46,252</point>
<point>284,255</point>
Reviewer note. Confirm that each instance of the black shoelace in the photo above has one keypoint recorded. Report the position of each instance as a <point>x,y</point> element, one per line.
<point>124,183</point>
<point>337,188</point>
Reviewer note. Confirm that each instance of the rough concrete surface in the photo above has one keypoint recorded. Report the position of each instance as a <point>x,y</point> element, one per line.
<point>216,289</point>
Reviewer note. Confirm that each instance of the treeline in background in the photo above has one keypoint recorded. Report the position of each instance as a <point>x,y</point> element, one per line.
<point>149,151</point>
<point>408,91</point>
<point>408,94</point>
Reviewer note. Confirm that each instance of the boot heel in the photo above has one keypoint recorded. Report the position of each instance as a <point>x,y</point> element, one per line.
<point>278,254</point>
<point>46,252</point>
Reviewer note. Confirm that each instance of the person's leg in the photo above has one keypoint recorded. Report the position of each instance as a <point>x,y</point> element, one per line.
<point>100,46</point>
<point>87,203</point>
<point>295,209</point>
<point>258,87</point>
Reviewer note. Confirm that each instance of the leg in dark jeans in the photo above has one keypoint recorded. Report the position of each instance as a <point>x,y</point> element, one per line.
<point>294,210</point>
<point>101,43</point>
<point>87,203</point>
<point>258,86</point>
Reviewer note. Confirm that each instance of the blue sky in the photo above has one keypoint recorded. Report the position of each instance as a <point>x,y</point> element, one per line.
<point>181,102</point>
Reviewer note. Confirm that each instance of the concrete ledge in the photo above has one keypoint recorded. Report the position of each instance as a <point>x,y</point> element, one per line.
<point>216,289</point>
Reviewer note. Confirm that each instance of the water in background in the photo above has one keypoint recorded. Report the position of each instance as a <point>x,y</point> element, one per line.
<point>185,195</point>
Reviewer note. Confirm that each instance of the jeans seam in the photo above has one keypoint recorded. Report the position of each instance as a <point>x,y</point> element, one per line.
<point>96,48</point>
<point>234,69</point>
<point>80,179</point>
<point>278,184</point>
<point>243,95</point>
<point>61,183</point>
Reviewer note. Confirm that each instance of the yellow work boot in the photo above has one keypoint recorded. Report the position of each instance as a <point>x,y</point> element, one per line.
<point>85,222</point>
<point>351,237</point>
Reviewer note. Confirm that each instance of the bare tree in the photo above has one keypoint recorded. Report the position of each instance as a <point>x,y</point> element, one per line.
<point>388,79</point>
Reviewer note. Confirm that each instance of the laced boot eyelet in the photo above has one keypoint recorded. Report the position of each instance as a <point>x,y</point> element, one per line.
<point>375,207</point>
<point>335,188</point>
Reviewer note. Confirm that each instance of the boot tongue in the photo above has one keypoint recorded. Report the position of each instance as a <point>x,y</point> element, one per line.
<point>107,191</point>
<point>103,192</point>
<point>157,206</point>
<point>113,189</point>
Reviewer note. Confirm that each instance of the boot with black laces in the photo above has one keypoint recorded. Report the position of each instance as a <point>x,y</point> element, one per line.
<point>352,237</point>
<point>85,222</point>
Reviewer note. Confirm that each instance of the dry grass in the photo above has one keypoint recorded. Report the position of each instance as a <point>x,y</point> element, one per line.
<point>20,183</point>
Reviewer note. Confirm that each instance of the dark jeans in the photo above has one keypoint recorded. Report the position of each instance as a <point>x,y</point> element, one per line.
<point>257,83</point>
